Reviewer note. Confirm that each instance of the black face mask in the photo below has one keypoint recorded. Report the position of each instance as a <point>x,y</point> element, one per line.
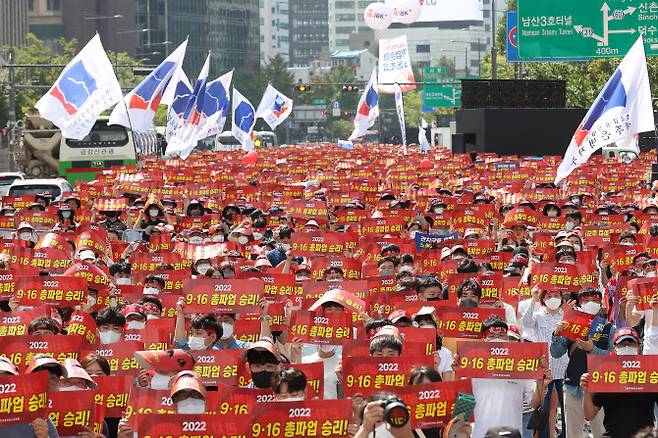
<point>196,213</point>
<point>433,299</point>
<point>262,379</point>
<point>468,303</point>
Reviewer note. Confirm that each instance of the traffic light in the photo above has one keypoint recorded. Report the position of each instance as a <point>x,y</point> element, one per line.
<point>349,88</point>
<point>4,138</point>
<point>301,88</point>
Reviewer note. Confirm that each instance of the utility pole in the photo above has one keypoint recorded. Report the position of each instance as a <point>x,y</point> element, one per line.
<point>494,67</point>
<point>12,90</point>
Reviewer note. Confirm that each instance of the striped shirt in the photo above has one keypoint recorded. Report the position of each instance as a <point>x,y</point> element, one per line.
<point>543,324</point>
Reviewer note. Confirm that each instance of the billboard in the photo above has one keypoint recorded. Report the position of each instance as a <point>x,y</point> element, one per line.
<point>433,11</point>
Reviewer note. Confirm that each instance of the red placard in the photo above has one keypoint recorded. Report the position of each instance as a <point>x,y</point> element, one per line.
<point>112,393</point>
<point>420,335</point>
<point>461,322</point>
<point>351,267</point>
<point>323,243</point>
<point>82,324</point>
<point>21,349</point>
<point>553,276</point>
<point>203,425</point>
<point>307,418</point>
<point>53,260</point>
<point>23,398</point>
<point>209,295</point>
<point>146,262</point>
<point>144,402</point>
<point>59,291</point>
<point>73,413</point>
<point>578,325</point>
<point>492,287</point>
<point>41,220</point>
<point>644,289</point>
<point>248,330</point>
<point>386,225</point>
<point>501,360</point>
<point>16,323</point>
<point>119,355</point>
<point>622,256</point>
<point>219,366</point>
<point>367,375</point>
<point>19,201</point>
<point>309,210</point>
<point>279,286</point>
<point>612,373</point>
<point>320,328</point>
<point>431,404</point>
<point>314,373</point>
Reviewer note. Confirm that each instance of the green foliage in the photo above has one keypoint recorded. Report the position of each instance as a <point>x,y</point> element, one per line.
<point>412,108</point>
<point>341,129</point>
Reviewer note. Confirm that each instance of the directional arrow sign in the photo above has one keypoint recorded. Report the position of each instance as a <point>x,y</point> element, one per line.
<point>446,95</point>
<point>593,29</point>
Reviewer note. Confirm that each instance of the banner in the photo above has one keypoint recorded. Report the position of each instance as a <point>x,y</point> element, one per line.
<point>578,325</point>
<point>72,413</point>
<point>314,328</point>
<point>20,349</point>
<point>309,418</point>
<point>431,404</point>
<point>435,11</point>
<point>395,65</point>
<point>644,289</point>
<point>82,324</point>
<point>209,295</point>
<point>215,367</point>
<point>23,398</point>
<point>399,107</point>
<point>189,425</point>
<point>112,393</point>
<point>461,322</point>
<point>50,291</point>
<point>323,243</point>
<point>16,323</point>
<point>368,375</point>
<point>119,355</point>
<point>501,360</point>
<point>612,373</point>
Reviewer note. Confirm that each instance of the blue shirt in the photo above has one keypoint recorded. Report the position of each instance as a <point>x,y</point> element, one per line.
<point>26,430</point>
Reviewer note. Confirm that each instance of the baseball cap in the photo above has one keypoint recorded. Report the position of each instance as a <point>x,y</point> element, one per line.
<point>624,334</point>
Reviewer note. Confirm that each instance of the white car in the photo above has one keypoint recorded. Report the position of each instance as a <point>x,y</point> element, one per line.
<point>6,178</point>
<point>58,188</point>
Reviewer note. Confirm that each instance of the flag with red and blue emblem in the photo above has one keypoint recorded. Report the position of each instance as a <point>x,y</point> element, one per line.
<point>216,105</point>
<point>368,109</point>
<point>274,107</point>
<point>86,87</point>
<point>143,101</point>
<point>182,90</point>
<point>621,111</point>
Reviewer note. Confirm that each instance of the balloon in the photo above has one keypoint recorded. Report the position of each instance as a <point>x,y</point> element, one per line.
<point>406,11</point>
<point>426,164</point>
<point>250,158</point>
<point>377,16</point>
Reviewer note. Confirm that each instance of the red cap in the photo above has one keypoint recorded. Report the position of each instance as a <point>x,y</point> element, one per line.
<point>625,333</point>
<point>187,380</point>
<point>134,309</point>
<point>164,361</point>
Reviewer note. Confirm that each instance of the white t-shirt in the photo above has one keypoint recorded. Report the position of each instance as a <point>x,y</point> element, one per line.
<point>527,332</point>
<point>498,402</point>
<point>330,378</point>
<point>650,343</point>
<point>510,314</point>
<point>445,360</point>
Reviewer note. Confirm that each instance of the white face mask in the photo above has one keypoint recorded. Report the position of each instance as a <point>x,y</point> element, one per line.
<point>551,213</point>
<point>570,225</point>
<point>218,238</point>
<point>203,268</point>
<point>438,210</point>
<point>553,303</point>
<point>577,247</point>
<point>153,212</point>
<point>427,326</point>
<point>123,281</point>
<point>160,381</point>
<point>91,300</point>
<point>243,240</point>
<point>109,337</point>
<point>136,325</point>
<point>591,307</point>
<point>196,240</point>
<point>25,236</point>
<point>285,246</point>
<point>151,291</point>
<point>196,343</point>
<point>650,274</point>
<point>69,388</point>
<point>191,406</point>
<point>257,235</point>
<point>227,330</point>
<point>626,351</point>
<point>152,316</point>
<point>66,214</point>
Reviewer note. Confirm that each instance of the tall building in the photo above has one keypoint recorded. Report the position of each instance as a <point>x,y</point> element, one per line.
<point>345,19</point>
<point>13,22</point>
<point>309,31</point>
<point>274,30</point>
<point>228,28</point>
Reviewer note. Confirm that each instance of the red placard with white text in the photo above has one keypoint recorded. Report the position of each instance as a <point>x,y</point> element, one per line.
<point>314,373</point>
<point>307,418</point>
<point>644,289</point>
<point>82,324</point>
<point>323,243</point>
<point>23,398</point>
<point>52,260</point>
<point>368,375</point>
<point>462,322</point>
<point>16,323</point>
<point>144,402</point>
<point>50,291</point>
<point>612,373</point>
<point>209,295</point>
<point>431,404</point>
<point>501,360</point>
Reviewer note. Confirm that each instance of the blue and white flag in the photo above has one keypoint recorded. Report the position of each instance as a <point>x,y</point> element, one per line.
<point>345,144</point>
<point>181,92</point>
<point>216,105</point>
<point>86,87</point>
<point>244,119</point>
<point>368,109</point>
<point>621,111</point>
<point>274,107</point>
<point>186,135</point>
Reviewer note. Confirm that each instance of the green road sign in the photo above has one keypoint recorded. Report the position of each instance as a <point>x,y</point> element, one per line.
<point>431,74</point>
<point>318,102</point>
<point>447,95</point>
<point>592,28</point>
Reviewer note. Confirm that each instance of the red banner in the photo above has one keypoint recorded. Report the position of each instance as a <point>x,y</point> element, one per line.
<point>119,355</point>
<point>50,291</point>
<point>314,373</point>
<point>367,375</point>
<point>500,360</point>
<point>318,328</point>
<point>21,349</point>
<point>219,366</point>
<point>209,295</point>
<point>204,425</point>
<point>578,325</point>
<point>323,243</point>
<point>73,413</point>
<point>144,402</point>
<point>82,324</point>
<point>53,260</point>
<point>112,393</point>
<point>388,225</point>
<point>310,418</point>
<point>461,322</point>
<point>23,398</point>
<point>16,323</point>
<point>644,289</point>
<point>431,404</point>
<point>612,373</point>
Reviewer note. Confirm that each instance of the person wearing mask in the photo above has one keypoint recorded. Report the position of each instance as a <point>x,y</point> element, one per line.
<point>66,219</point>
<point>204,332</point>
<point>372,423</point>
<point>153,285</point>
<point>113,222</point>
<point>426,318</point>
<point>110,323</point>
<point>289,384</point>
<point>422,376</point>
<point>135,316</point>
<point>201,267</point>
<point>56,370</point>
<point>330,356</point>
<point>120,272</point>
<point>429,289</point>
<point>626,413</point>
<point>26,232</point>
<point>152,307</point>
<point>600,341</point>
<point>263,360</point>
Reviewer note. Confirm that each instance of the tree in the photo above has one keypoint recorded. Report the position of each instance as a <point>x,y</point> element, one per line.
<point>412,108</point>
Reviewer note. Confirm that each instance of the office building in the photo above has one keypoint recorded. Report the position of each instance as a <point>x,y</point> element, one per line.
<point>346,19</point>
<point>13,22</point>
<point>274,30</point>
<point>309,31</point>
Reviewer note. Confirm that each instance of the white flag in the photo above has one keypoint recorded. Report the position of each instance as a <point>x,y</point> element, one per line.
<point>182,90</point>
<point>422,137</point>
<point>274,107</point>
<point>621,111</point>
<point>86,87</point>
<point>368,109</point>
<point>244,119</point>
<point>399,106</point>
<point>216,105</point>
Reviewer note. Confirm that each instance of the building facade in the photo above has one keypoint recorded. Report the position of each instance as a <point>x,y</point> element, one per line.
<point>309,31</point>
<point>13,22</point>
<point>274,30</point>
<point>345,20</point>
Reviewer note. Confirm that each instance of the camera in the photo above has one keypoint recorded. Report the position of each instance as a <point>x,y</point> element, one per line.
<point>396,412</point>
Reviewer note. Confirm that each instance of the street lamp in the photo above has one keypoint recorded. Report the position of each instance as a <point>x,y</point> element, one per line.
<point>467,69</point>
<point>104,17</point>
<point>123,32</point>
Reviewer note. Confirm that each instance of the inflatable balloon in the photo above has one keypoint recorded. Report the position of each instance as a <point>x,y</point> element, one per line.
<point>250,158</point>
<point>425,164</point>
<point>406,11</point>
<point>377,16</point>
